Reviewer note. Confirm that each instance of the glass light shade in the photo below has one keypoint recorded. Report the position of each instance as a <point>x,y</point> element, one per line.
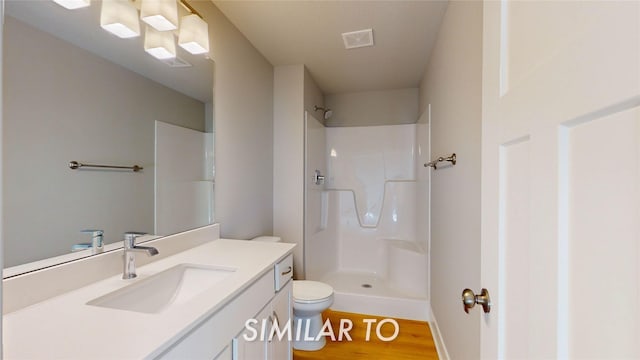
<point>160,44</point>
<point>120,18</point>
<point>194,34</point>
<point>162,15</point>
<point>73,4</point>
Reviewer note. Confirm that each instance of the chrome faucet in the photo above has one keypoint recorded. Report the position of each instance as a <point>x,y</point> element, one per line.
<point>130,248</point>
<point>96,245</point>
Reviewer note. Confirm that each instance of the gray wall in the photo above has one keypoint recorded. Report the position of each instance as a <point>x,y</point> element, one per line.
<point>1,171</point>
<point>453,86</point>
<point>313,96</point>
<point>243,92</point>
<point>294,92</point>
<point>370,108</point>
<point>62,103</point>
<point>288,162</point>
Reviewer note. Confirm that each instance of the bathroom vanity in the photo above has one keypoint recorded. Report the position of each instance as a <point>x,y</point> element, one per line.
<point>191,304</point>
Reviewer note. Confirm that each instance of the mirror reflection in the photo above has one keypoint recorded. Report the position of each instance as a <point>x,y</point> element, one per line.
<point>64,101</point>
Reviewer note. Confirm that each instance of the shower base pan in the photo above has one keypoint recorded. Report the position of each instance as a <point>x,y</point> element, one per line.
<point>366,293</point>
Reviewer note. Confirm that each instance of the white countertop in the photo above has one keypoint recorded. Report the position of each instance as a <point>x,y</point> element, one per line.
<point>65,327</point>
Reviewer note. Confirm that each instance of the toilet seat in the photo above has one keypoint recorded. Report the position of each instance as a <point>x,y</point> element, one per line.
<point>309,292</point>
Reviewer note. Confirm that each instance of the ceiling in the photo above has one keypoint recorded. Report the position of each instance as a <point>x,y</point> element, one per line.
<point>309,33</point>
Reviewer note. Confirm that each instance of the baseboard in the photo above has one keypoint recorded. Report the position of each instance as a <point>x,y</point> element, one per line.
<point>437,338</point>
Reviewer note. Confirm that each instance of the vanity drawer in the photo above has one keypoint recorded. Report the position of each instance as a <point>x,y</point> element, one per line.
<point>283,272</point>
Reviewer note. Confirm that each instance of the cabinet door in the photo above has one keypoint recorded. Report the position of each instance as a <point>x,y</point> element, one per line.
<point>253,349</point>
<point>282,311</point>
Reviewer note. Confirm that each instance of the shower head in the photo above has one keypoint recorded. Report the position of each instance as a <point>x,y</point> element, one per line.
<point>325,112</point>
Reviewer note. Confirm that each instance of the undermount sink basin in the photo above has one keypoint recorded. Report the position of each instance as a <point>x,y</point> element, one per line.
<point>173,286</point>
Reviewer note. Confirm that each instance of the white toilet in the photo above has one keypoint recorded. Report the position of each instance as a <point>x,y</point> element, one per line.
<point>310,299</point>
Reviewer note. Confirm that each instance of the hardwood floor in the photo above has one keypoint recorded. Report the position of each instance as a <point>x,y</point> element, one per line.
<point>413,342</point>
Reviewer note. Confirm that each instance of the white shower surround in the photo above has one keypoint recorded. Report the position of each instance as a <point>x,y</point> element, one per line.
<point>184,176</point>
<point>366,225</point>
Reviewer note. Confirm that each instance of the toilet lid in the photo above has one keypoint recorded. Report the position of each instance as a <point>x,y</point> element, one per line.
<point>309,291</point>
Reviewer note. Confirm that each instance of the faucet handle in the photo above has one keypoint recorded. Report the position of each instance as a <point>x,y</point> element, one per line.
<point>130,238</point>
<point>97,243</point>
<point>81,246</point>
<point>133,234</point>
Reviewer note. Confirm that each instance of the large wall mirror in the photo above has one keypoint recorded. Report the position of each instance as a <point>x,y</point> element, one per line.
<point>73,92</point>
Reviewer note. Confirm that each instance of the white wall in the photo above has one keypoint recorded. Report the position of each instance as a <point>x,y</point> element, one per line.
<point>243,111</point>
<point>453,86</point>
<point>369,108</point>
<point>313,96</point>
<point>63,103</point>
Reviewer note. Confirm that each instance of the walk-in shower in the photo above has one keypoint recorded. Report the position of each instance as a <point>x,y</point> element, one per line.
<point>366,227</point>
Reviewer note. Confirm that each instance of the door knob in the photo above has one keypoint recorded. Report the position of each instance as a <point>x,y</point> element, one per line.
<point>469,300</point>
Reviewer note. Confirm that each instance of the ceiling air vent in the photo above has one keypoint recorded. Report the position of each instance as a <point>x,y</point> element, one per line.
<point>357,39</point>
<point>176,62</point>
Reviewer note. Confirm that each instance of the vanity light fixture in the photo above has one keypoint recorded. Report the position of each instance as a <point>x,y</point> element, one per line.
<point>159,44</point>
<point>73,4</point>
<point>194,34</point>
<point>120,17</point>
<point>162,15</point>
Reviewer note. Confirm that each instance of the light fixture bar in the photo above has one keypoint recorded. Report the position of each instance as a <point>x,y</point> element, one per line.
<point>190,8</point>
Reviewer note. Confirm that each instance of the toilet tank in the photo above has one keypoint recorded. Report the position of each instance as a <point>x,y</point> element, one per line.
<point>267,239</point>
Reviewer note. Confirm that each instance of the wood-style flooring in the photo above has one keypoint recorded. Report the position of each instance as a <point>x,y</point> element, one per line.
<point>413,342</point>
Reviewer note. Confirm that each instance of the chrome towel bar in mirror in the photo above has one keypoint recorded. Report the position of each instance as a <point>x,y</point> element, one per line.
<point>74,165</point>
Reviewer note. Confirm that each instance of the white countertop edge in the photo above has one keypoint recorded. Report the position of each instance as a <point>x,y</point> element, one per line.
<point>38,285</point>
<point>137,335</point>
<point>83,254</point>
<point>61,259</point>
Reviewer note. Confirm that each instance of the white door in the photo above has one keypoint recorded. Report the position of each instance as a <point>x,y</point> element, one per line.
<point>561,179</point>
